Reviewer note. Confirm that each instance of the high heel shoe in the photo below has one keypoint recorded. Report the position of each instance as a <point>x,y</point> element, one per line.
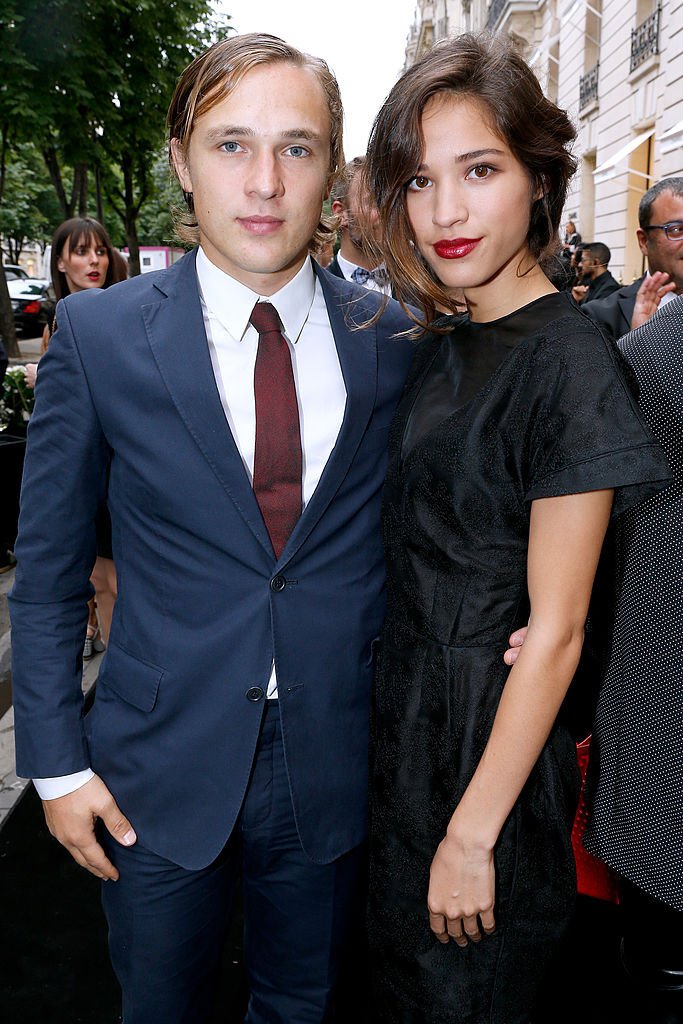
<point>93,643</point>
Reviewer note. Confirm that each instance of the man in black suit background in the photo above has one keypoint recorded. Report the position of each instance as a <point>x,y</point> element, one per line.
<point>660,237</point>
<point>355,261</point>
<point>596,280</point>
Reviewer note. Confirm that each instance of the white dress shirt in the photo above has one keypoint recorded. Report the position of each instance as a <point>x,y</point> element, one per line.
<point>233,342</point>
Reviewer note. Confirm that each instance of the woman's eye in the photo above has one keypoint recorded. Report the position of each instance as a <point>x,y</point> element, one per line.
<point>480,171</point>
<point>418,183</point>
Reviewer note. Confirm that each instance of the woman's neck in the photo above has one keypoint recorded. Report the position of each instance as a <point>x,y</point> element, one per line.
<point>509,291</point>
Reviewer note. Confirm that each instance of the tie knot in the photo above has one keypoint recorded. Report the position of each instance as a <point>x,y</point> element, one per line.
<point>265,318</point>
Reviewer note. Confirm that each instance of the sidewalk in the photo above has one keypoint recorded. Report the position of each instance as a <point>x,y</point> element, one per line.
<point>29,349</point>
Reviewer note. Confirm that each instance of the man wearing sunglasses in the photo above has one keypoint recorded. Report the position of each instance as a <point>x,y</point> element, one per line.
<point>660,237</point>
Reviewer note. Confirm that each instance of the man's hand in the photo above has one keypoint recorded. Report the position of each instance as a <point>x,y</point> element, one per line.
<point>516,640</point>
<point>579,292</point>
<point>71,820</point>
<point>649,296</point>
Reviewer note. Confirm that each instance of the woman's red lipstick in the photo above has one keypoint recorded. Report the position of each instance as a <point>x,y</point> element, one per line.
<point>455,248</point>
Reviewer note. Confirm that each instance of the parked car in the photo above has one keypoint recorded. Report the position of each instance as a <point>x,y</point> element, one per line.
<point>13,272</point>
<point>33,304</point>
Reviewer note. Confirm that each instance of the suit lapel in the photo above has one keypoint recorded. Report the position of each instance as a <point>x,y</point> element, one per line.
<point>357,351</point>
<point>627,299</point>
<point>177,338</point>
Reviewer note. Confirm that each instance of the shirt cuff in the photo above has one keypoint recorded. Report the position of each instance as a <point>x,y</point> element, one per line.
<point>50,789</point>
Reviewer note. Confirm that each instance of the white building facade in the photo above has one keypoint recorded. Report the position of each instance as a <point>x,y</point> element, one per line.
<point>615,66</point>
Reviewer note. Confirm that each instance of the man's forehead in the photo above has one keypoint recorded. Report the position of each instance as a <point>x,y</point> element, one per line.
<point>300,100</point>
<point>669,205</point>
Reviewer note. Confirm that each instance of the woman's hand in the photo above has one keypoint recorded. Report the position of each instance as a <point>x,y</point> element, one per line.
<point>461,891</point>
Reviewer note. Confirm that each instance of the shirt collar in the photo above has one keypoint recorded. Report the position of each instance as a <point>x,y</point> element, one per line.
<point>232,302</point>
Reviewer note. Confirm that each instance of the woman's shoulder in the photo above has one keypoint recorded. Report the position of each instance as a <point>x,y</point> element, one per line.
<point>573,336</point>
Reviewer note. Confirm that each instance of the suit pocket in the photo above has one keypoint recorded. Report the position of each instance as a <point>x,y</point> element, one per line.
<point>136,682</point>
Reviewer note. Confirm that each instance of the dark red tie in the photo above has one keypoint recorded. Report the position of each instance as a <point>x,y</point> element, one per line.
<point>277,453</point>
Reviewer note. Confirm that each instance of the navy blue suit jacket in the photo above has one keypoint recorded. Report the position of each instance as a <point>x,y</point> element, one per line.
<point>128,382</point>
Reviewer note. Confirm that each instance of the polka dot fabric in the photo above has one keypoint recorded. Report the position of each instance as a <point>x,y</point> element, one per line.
<point>637,748</point>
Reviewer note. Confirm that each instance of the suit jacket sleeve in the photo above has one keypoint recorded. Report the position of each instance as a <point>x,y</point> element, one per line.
<point>614,312</point>
<point>64,479</point>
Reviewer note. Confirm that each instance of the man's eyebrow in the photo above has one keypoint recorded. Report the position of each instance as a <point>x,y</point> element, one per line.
<point>242,131</point>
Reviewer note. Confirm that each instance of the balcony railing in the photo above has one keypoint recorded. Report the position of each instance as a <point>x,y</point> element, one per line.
<point>645,39</point>
<point>496,8</point>
<point>588,86</point>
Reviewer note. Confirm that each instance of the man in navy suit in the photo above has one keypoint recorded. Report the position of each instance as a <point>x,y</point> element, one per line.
<point>229,735</point>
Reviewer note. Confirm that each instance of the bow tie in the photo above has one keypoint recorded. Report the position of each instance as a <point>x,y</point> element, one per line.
<point>361,276</point>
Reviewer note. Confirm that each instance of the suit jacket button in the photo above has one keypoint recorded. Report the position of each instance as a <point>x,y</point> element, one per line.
<point>254,694</point>
<point>278,583</point>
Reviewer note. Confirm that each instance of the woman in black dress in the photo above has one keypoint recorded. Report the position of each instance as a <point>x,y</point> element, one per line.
<point>515,442</point>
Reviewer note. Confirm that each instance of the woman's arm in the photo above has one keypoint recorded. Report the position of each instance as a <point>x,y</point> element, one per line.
<point>565,539</point>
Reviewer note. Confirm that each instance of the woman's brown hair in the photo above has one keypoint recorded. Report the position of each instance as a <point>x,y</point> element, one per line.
<point>490,72</point>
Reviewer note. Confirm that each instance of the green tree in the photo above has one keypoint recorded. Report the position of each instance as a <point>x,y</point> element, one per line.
<point>156,217</point>
<point>14,82</point>
<point>29,210</point>
<point>150,44</point>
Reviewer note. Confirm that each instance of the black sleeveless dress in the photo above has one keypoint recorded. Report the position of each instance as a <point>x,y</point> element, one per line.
<point>493,416</point>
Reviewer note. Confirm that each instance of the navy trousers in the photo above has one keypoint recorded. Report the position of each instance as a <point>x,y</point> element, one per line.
<point>302,920</point>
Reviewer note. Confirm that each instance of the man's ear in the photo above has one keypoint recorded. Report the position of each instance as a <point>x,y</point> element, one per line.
<point>180,164</point>
<point>339,210</point>
<point>642,240</point>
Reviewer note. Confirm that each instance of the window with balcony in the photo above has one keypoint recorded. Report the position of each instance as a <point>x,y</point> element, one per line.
<point>645,36</point>
<point>588,82</point>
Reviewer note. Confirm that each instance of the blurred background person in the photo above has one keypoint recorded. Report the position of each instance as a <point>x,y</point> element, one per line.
<point>596,282</point>
<point>571,238</point>
<point>356,259</point>
<point>660,237</point>
<point>7,559</point>
<point>83,257</point>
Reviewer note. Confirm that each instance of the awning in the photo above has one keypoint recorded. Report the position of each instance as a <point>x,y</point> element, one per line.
<point>672,138</point>
<point>617,163</point>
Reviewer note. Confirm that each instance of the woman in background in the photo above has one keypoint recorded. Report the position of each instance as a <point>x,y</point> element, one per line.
<point>83,257</point>
<point>515,442</point>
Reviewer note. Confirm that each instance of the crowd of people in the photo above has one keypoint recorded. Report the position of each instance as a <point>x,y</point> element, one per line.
<point>356,506</point>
